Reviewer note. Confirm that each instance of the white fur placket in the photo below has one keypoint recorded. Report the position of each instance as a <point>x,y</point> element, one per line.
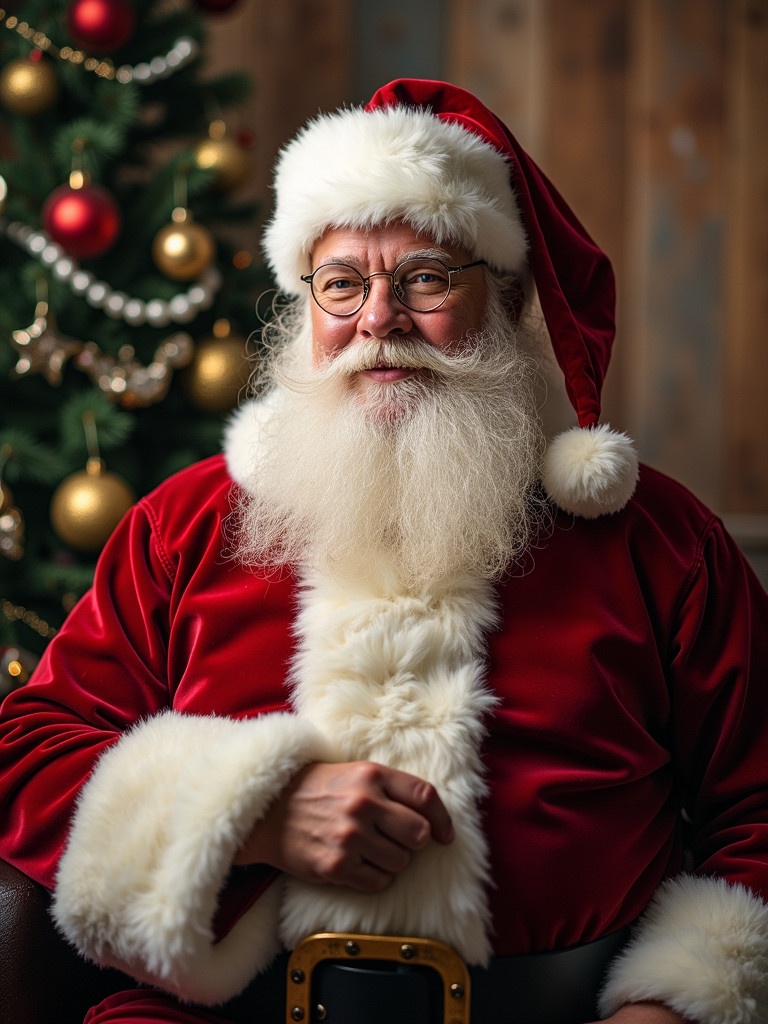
<point>397,677</point>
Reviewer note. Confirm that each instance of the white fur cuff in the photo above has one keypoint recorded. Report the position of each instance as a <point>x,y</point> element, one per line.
<point>702,949</point>
<point>152,843</point>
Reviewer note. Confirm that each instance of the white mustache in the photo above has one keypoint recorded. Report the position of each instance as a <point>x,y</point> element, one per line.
<point>395,353</point>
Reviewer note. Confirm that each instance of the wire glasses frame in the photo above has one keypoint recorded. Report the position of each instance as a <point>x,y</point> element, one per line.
<point>421,284</point>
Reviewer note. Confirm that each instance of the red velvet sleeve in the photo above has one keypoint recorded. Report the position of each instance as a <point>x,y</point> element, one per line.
<point>719,690</point>
<point>104,670</point>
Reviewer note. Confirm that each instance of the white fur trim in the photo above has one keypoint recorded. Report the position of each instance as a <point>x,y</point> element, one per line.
<point>590,471</point>
<point>152,842</point>
<point>240,433</point>
<point>701,948</point>
<point>245,431</point>
<point>358,169</point>
<point>397,678</point>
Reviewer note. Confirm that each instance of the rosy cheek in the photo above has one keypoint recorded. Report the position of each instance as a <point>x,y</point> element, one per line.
<point>328,339</point>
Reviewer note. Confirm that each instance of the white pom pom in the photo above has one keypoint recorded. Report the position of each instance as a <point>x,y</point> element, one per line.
<point>590,471</point>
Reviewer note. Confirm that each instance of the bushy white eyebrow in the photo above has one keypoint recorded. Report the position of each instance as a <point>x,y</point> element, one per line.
<point>408,254</point>
<point>426,254</point>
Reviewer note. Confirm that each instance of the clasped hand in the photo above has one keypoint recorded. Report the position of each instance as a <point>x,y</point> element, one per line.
<point>358,825</point>
<point>354,824</point>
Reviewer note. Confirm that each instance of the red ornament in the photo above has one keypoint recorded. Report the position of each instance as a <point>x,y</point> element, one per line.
<point>84,221</point>
<point>101,26</point>
<point>215,6</point>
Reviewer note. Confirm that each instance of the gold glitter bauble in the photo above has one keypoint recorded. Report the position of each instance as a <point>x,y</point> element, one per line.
<point>216,378</point>
<point>183,250</point>
<point>224,157</point>
<point>88,505</point>
<point>28,86</point>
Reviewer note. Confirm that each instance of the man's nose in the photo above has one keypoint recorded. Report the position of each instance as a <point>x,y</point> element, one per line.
<point>382,313</point>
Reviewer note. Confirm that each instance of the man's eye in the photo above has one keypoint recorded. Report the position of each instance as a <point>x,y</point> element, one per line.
<point>339,284</point>
<point>424,277</point>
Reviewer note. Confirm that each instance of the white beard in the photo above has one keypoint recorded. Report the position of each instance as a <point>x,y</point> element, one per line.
<point>397,504</point>
<point>430,476</point>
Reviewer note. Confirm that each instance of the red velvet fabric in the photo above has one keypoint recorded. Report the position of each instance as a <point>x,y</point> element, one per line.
<point>630,666</point>
<point>573,276</point>
<point>149,1007</point>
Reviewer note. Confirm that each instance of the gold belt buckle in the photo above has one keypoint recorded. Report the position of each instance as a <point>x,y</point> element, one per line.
<point>349,947</point>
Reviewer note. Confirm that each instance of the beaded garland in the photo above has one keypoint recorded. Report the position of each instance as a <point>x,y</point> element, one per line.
<point>182,52</point>
<point>181,309</point>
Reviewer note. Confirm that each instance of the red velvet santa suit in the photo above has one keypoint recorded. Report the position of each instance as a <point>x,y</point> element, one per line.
<point>572,718</point>
<point>606,674</point>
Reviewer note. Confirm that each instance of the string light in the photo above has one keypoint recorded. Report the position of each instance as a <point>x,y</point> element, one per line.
<point>181,53</point>
<point>18,613</point>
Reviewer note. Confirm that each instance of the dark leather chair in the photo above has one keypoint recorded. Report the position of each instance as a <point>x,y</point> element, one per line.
<point>42,979</point>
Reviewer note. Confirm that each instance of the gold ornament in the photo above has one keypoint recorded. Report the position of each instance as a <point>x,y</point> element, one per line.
<point>28,86</point>
<point>183,249</point>
<point>88,505</point>
<point>224,157</point>
<point>217,377</point>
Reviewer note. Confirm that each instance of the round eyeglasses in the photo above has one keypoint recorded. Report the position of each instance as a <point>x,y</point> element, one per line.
<point>421,284</point>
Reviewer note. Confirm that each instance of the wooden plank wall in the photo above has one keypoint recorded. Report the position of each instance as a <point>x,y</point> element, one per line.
<point>676,313</point>
<point>745,476</point>
<point>299,53</point>
<point>648,115</point>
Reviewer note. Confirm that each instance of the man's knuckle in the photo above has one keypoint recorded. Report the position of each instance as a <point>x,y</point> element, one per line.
<point>369,773</point>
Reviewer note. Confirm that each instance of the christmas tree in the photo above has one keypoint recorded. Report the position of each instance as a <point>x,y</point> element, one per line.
<point>127,296</point>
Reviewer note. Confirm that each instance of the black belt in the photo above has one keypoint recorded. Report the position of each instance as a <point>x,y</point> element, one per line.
<point>560,987</point>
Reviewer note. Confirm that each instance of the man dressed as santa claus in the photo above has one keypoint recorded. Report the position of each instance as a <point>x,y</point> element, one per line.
<point>424,654</point>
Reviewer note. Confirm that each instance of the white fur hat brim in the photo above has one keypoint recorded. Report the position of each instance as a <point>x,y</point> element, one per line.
<point>358,169</point>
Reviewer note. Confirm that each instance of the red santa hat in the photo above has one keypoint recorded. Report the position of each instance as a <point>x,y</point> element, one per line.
<point>433,155</point>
